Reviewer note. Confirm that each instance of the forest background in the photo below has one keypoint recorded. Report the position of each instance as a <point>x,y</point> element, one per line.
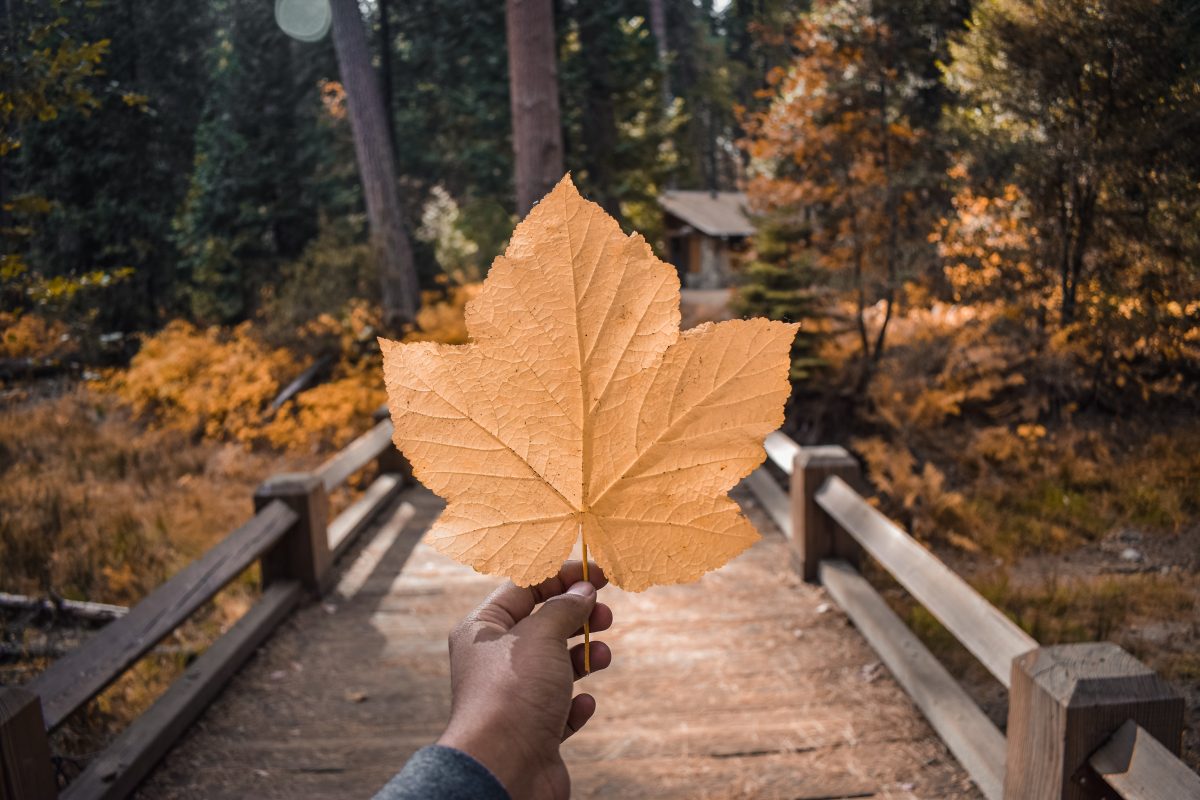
<point>986,214</point>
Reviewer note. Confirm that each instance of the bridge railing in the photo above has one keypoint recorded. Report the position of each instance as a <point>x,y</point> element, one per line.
<point>1084,721</point>
<point>294,541</point>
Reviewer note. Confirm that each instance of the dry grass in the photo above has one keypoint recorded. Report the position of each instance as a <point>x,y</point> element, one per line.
<point>95,506</point>
<point>1152,609</point>
<point>1082,483</point>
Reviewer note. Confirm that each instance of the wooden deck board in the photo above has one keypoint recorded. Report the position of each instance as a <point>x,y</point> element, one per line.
<point>742,684</point>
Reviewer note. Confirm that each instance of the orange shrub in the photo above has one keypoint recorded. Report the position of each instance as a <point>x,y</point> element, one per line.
<point>329,415</point>
<point>30,336</point>
<point>443,318</point>
<point>211,382</point>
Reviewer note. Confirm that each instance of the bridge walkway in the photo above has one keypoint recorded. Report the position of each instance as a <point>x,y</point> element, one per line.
<point>748,683</point>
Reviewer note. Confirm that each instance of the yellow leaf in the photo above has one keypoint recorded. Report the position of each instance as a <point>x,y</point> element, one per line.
<point>578,408</point>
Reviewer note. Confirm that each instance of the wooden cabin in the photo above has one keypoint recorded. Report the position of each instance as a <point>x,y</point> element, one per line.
<point>704,230</point>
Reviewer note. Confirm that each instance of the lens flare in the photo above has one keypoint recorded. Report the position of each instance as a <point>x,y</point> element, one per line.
<point>306,20</point>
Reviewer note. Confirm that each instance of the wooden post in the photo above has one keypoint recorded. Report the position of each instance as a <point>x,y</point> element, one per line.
<point>814,534</point>
<point>303,554</point>
<point>1066,701</point>
<point>25,769</point>
<point>391,459</point>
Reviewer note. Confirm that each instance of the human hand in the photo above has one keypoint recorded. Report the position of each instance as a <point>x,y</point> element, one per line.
<point>511,675</point>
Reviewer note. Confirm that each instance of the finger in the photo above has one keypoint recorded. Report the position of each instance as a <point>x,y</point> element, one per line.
<point>582,708</point>
<point>601,658</point>
<point>510,604</point>
<point>562,613</point>
<point>600,620</point>
<point>570,574</point>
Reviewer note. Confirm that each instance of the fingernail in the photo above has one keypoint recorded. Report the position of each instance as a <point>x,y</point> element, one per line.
<point>583,589</point>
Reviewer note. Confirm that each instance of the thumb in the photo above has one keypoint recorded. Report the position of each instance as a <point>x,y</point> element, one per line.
<point>563,614</point>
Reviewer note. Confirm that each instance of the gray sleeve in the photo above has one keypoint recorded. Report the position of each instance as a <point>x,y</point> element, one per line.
<point>443,773</point>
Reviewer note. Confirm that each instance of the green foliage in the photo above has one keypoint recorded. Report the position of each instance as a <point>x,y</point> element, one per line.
<point>449,92</point>
<point>47,71</point>
<point>701,76</point>
<point>108,205</point>
<point>777,282</point>
<point>616,131</point>
<point>450,99</point>
<point>251,204</point>
<point>334,269</point>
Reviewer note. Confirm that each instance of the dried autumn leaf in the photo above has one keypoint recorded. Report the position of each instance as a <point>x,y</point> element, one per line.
<point>579,408</point>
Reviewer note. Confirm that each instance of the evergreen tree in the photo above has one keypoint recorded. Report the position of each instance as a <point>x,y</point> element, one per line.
<point>110,204</point>
<point>616,130</point>
<point>778,281</point>
<point>700,76</point>
<point>457,109</point>
<point>251,203</point>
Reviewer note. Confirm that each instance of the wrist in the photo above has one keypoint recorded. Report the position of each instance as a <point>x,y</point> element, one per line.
<point>497,751</point>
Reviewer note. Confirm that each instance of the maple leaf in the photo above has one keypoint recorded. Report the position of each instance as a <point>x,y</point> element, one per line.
<point>578,408</point>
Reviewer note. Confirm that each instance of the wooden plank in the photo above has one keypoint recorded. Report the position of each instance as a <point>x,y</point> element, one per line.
<point>117,771</point>
<point>77,677</point>
<point>368,559</point>
<point>781,450</point>
<point>348,524</point>
<point>972,738</point>
<point>772,498</point>
<point>25,769</point>
<point>1066,701</point>
<point>356,455</point>
<point>1138,767</point>
<point>990,636</point>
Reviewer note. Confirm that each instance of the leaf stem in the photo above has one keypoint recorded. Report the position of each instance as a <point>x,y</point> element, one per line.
<point>587,633</point>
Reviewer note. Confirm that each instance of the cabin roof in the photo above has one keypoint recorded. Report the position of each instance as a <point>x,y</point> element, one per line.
<point>711,213</point>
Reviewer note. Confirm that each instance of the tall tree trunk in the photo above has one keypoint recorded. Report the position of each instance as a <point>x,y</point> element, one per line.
<point>376,167</point>
<point>533,93</point>
<point>658,26</point>
<point>385,71</point>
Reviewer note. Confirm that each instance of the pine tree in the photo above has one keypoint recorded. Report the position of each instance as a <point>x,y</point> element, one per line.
<point>616,131</point>
<point>777,281</point>
<point>250,204</point>
<point>113,165</point>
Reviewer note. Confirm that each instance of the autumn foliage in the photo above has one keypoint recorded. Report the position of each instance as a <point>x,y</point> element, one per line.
<point>1003,261</point>
<point>837,150</point>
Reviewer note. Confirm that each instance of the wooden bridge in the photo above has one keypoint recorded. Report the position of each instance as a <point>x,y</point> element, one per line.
<point>782,675</point>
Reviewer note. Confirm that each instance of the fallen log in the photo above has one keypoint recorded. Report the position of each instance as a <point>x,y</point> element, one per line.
<point>94,612</point>
<point>305,380</point>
